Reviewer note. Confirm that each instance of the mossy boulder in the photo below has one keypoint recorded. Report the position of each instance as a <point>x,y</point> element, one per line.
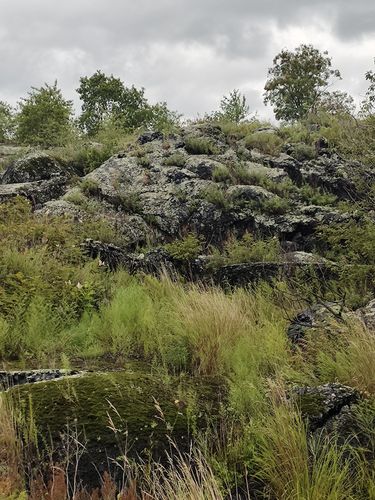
<point>113,414</point>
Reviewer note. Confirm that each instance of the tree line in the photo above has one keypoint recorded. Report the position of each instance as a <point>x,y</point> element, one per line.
<point>298,85</point>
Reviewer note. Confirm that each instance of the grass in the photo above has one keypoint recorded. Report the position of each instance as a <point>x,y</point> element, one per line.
<point>200,146</point>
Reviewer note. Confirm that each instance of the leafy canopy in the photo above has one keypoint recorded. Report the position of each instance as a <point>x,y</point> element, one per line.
<point>105,98</point>
<point>6,121</point>
<point>44,118</point>
<point>297,80</point>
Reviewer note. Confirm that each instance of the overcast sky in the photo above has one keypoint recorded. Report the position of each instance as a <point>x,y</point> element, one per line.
<point>186,52</point>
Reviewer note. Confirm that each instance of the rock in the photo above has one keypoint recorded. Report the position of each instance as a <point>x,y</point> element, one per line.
<point>322,403</point>
<point>325,317</point>
<point>249,193</point>
<point>38,192</point>
<point>35,166</point>
<point>10,379</point>
<point>129,411</point>
<point>367,315</point>
<point>150,136</point>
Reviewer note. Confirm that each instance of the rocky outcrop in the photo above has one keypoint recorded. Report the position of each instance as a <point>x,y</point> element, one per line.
<point>326,317</point>
<point>10,379</point>
<point>38,192</point>
<point>320,404</point>
<point>36,166</point>
<point>36,176</point>
<point>367,315</point>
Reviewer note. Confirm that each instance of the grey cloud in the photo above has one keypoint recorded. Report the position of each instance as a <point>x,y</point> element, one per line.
<point>188,52</point>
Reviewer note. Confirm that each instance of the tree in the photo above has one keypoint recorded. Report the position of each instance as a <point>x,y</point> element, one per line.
<point>337,103</point>
<point>234,107</point>
<point>106,97</point>
<point>6,122</point>
<point>368,105</point>
<point>45,117</point>
<point>297,80</point>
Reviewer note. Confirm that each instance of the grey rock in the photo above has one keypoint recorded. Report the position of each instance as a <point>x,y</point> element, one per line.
<point>322,403</point>
<point>35,166</point>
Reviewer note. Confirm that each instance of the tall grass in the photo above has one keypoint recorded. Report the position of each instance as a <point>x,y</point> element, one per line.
<point>294,465</point>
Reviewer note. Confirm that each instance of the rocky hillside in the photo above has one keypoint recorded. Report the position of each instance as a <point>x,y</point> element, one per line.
<point>213,186</point>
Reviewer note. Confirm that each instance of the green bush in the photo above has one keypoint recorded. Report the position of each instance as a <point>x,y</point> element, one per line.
<point>275,206</point>
<point>217,196</point>
<point>200,146</point>
<point>268,143</point>
<point>90,187</point>
<point>303,152</point>
<point>246,249</point>
<point>186,249</point>
<point>221,173</point>
<point>144,161</point>
<point>175,160</point>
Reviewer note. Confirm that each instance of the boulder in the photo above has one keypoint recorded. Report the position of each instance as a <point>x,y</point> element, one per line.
<point>35,166</point>
<point>367,315</point>
<point>249,193</point>
<point>327,317</point>
<point>322,403</point>
<point>38,192</point>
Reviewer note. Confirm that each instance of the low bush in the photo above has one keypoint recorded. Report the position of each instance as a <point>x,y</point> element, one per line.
<point>200,146</point>
<point>185,249</point>
<point>175,160</point>
<point>217,196</point>
<point>268,143</point>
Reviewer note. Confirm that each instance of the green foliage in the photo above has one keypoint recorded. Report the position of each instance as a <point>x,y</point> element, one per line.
<point>350,242</point>
<point>129,202</point>
<point>221,173</point>
<point>217,196</point>
<point>44,118</point>
<point>275,206</point>
<point>186,249</point>
<point>144,161</point>
<point>233,108</point>
<point>7,122</point>
<point>315,196</point>
<point>303,152</point>
<point>105,98</point>
<point>175,160</point>
<point>90,187</point>
<point>297,81</point>
<point>368,105</point>
<point>200,146</point>
<point>269,143</point>
<point>246,249</point>
<point>337,103</point>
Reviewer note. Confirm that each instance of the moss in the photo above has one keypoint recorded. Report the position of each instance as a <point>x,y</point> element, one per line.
<point>113,413</point>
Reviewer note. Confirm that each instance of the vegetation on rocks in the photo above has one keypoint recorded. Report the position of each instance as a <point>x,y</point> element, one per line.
<point>224,259</point>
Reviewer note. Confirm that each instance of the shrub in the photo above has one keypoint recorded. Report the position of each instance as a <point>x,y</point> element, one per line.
<point>200,146</point>
<point>275,206</point>
<point>215,195</point>
<point>175,160</point>
<point>185,249</point>
<point>303,152</point>
<point>221,173</point>
<point>268,143</point>
<point>315,196</point>
<point>143,161</point>
<point>90,187</point>
<point>129,202</point>
<point>246,249</point>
